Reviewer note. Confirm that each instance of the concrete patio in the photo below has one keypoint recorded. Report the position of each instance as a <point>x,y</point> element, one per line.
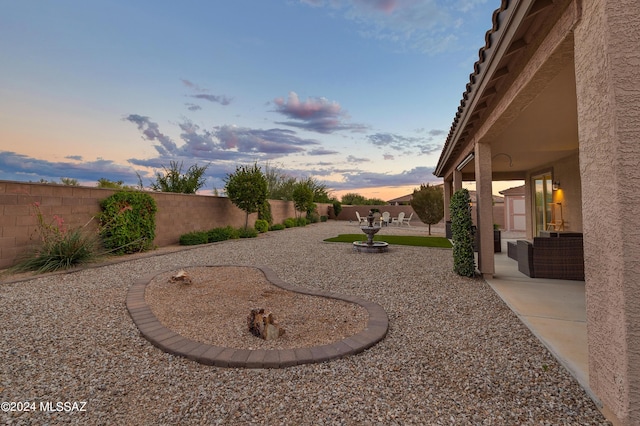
<point>554,311</point>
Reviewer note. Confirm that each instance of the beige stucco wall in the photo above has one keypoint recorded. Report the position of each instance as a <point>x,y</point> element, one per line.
<point>607,60</point>
<point>567,172</point>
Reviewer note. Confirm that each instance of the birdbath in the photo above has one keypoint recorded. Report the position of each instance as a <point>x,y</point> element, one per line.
<point>370,246</point>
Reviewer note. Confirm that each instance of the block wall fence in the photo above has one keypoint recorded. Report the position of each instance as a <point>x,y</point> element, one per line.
<point>77,205</point>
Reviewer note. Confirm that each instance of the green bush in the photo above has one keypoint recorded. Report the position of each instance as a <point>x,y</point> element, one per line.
<point>289,222</point>
<point>264,212</point>
<point>277,227</point>
<point>301,221</point>
<point>462,234</point>
<point>127,222</point>
<point>247,233</point>
<point>222,234</point>
<point>313,218</point>
<point>337,208</point>
<point>194,238</point>
<point>261,225</point>
<point>324,218</point>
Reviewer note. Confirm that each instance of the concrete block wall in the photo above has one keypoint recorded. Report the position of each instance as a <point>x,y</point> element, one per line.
<point>177,213</point>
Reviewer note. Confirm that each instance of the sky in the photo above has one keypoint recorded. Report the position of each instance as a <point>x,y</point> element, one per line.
<point>356,94</point>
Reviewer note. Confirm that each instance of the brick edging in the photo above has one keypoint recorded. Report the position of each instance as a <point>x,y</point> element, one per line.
<point>173,343</point>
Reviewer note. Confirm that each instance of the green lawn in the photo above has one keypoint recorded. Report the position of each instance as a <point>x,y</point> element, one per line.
<point>404,240</point>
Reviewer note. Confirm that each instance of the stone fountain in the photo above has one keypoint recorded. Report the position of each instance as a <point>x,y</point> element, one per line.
<point>370,246</point>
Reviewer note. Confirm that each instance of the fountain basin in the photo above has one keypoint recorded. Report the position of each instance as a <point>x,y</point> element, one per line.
<point>375,247</point>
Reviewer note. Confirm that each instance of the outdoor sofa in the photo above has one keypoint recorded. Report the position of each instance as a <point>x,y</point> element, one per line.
<point>552,257</point>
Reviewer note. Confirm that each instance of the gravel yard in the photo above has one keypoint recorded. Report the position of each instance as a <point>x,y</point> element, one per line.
<point>454,353</point>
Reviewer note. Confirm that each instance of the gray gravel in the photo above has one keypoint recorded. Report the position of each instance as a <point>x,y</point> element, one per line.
<point>454,354</point>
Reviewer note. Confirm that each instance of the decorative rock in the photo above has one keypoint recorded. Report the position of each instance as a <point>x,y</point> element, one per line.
<point>262,324</point>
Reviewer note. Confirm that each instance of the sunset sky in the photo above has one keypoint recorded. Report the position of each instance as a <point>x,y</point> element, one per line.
<point>358,94</point>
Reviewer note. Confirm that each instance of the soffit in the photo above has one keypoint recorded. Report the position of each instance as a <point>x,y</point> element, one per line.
<point>517,42</point>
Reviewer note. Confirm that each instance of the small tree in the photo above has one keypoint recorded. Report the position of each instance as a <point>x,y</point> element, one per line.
<point>247,189</point>
<point>428,203</point>
<point>173,180</point>
<point>462,234</point>
<point>303,197</point>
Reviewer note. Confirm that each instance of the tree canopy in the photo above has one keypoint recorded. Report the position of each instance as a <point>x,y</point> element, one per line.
<point>303,197</point>
<point>173,180</point>
<point>247,189</point>
<point>428,203</point>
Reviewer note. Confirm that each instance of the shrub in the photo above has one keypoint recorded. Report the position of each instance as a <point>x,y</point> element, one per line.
<point>60,248</point>
<point>313,218</point>
<point>289,222</point>
<point>324,218</point>
<point>127,222</point>
<point>194,238</point>
<point>261,225</point>
<point>462,234</point>
<point>247,233</point>
<point>222,234</point>
<point>301,221</point>
<point>277,227</point>
<point>337,208</point>
<point>264,212</point>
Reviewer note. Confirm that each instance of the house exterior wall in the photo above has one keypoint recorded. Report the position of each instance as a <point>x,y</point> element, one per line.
<point>567,172</point>
<point>607,67</point>
<point>177,213</point>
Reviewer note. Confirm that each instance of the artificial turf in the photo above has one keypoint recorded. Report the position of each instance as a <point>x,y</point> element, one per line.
<point>404,240</point>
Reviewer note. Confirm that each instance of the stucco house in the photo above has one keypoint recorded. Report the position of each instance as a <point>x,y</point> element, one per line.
<point>554,100</point>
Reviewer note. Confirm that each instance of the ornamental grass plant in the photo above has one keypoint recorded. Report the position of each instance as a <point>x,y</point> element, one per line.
<point>58,247</point>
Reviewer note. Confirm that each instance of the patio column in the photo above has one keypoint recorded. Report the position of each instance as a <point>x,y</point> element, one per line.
<point>447,199</point>
<point>457,180</point>
<point>608,93</point>
<point>484,209</point>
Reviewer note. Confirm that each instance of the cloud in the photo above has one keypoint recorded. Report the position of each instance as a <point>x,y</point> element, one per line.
<point>221,99</point>
<point>20,167</point>
<point>428,26</point>
<point>230,143</point>
<point>354,159</point>
<point>151,132</point>
<point>407,145</point>
<point>360,179</point>
<point>321,151</point>
<point>193,107</point>
<point>204,94</point>
<point>315,114</point>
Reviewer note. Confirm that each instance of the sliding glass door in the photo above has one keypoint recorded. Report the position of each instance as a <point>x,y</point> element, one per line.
<point>543,199</point>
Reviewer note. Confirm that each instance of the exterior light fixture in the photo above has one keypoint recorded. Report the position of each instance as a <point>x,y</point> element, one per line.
<point>556,185</point>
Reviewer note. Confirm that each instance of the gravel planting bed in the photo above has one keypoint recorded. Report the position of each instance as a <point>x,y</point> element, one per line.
<point>454,353</point>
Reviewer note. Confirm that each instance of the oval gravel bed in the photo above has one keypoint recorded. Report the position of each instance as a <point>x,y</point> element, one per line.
<point>208,324</point>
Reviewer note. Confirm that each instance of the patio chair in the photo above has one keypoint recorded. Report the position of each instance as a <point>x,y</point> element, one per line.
<point>385,219</point>
<point>406,220</point>
<point>398,220</point>
<point>361,219</point>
